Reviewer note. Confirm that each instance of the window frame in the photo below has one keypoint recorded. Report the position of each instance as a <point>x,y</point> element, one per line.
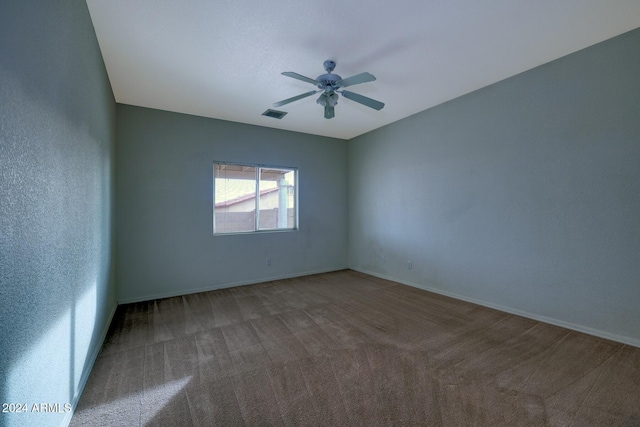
<point>256,223</point>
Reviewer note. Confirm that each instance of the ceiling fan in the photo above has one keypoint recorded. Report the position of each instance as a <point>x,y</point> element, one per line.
<point>331,85</point>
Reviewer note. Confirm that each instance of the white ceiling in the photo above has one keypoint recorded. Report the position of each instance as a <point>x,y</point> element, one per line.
<point>223,58</point>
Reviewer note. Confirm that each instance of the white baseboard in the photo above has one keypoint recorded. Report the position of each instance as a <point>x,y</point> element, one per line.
<point>224,286</point>
<point>88,368</point>
<point>556,322</point>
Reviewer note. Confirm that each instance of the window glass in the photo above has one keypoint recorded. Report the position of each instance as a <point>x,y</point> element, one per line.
<point>254,198</point>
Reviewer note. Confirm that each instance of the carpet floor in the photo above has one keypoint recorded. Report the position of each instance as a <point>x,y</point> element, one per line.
<point>348,349</point>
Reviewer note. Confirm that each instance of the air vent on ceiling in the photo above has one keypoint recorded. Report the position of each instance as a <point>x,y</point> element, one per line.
<point>275,114</point>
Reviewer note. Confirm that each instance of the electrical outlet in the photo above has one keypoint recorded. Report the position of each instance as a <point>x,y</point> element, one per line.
<point>268,262</point>
<point>410,265</point>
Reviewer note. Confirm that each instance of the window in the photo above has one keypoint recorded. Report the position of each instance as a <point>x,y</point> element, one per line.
<point>249,198</point>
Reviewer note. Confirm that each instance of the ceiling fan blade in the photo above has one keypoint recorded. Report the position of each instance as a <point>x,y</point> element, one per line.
<point>295,98</point>
<point>329,112</point>
<point>357,79</point>
<point>372,103</point>
<point>301,77</point>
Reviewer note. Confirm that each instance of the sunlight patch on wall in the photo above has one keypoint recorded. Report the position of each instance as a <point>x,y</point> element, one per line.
<point>40,374</point>
<point>45,379</point>
<point>85,318</point>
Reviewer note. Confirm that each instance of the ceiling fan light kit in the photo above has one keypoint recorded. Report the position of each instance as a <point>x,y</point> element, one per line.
<point>331,85</point>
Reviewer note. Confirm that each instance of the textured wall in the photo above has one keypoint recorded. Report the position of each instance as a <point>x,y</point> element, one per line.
<point>164,204</point>
<point>57,140</point>
<point>523,195</point>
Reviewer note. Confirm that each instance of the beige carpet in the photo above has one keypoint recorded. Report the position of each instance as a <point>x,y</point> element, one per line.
<point>345,348</point>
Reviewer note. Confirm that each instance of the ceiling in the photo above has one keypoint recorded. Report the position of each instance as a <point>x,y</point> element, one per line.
<point>223,58</point>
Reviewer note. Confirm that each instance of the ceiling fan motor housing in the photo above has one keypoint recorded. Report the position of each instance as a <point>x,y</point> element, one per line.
<point>329,82</point>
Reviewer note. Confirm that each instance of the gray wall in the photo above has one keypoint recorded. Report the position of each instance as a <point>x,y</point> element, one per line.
<point>164,204</point>
<point>57,140</point>
<point>524,195</point>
